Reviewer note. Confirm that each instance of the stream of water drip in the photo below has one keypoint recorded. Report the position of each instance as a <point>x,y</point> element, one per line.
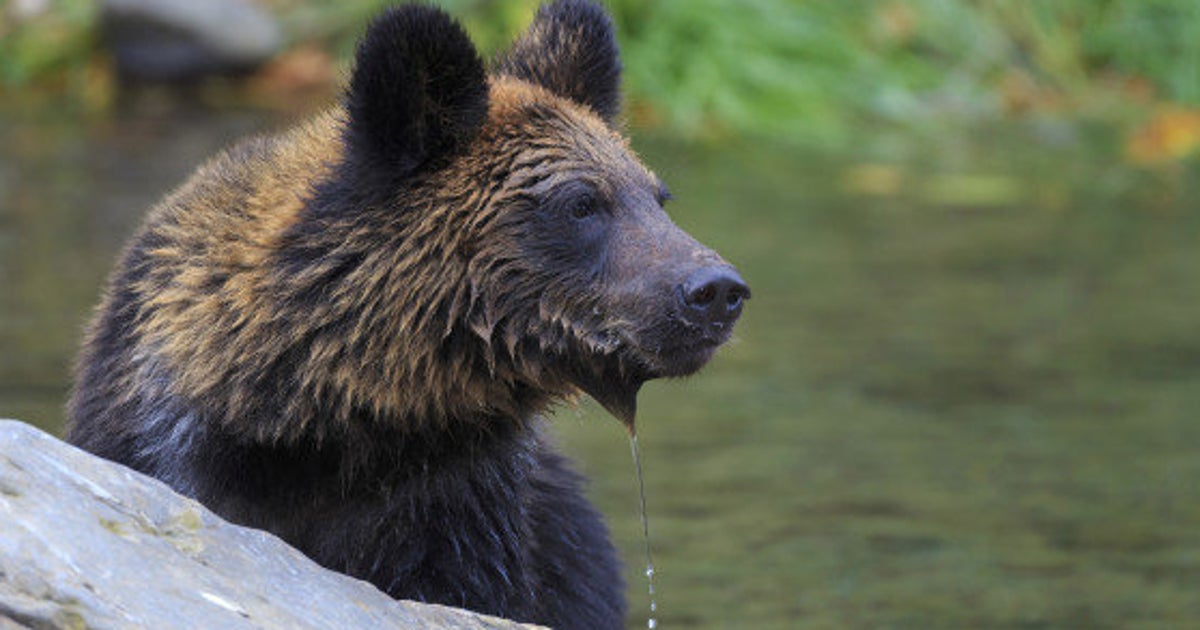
<point>652,622</point>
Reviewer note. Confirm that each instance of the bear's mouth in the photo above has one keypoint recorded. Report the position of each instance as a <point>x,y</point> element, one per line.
<point>614,378</point>
<point>616,392</point>
<point>675,348</point>
<point>684,360</point>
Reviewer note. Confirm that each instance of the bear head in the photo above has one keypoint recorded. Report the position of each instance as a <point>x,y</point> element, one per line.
<point>507,245</point>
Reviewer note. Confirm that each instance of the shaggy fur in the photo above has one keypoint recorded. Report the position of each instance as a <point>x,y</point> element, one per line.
<point>347,334</point>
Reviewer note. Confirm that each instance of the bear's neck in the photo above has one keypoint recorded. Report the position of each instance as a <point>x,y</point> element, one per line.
<point>257,481</point>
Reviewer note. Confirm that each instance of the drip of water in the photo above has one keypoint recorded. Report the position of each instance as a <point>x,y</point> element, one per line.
<point>651,623</point>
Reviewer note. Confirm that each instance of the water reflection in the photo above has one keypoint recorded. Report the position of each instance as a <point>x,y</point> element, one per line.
<point>72,188</point>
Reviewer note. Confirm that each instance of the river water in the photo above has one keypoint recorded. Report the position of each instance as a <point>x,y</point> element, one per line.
<point>965,393</point>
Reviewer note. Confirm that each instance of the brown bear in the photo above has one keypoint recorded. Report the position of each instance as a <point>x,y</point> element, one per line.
<point>348,334</point>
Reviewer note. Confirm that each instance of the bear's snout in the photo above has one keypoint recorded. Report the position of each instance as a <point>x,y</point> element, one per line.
<point>713,296</point>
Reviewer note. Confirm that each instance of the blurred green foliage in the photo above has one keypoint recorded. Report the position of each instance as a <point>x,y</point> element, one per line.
<point>806,70</point>
<point>819,71</point>
<point>705,65</point>
<point>44,44</point>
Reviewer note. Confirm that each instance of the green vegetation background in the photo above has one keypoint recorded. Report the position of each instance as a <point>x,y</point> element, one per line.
<point>803,70</point>
<point>965,392</point>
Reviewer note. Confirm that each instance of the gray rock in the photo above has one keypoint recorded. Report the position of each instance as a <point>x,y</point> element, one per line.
<point>166,40</point>
<point>88,543</point>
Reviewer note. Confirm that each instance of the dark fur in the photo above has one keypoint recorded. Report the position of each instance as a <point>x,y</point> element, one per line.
<point>571,51</point>
<point>393,127</point>
<point>347,334</point>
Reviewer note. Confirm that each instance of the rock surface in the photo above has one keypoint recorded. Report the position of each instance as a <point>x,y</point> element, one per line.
<point>170,40</point>
<point>88,543</point>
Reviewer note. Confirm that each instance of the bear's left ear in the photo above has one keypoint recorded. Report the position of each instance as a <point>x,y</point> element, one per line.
<point>571,50</point>
<point>418,92</point>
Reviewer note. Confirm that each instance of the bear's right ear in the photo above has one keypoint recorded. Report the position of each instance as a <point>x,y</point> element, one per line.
<point>418,93</point>
<point>571,50</point>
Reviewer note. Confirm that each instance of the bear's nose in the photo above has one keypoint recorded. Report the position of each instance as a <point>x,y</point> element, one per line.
<point>714,295</point>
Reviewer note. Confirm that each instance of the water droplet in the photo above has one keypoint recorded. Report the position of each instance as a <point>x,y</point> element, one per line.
<point>637,462</point>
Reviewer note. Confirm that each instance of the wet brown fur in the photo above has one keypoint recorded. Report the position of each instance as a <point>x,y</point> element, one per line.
<point>347,333</point>
<point>380,338</point>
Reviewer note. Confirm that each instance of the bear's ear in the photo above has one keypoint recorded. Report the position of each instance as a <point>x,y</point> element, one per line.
<point>571,50</point>
<point>418,92</point>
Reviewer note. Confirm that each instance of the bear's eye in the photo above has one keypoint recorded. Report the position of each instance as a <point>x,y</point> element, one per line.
<point>584,208</point>
<point>662,194</point>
